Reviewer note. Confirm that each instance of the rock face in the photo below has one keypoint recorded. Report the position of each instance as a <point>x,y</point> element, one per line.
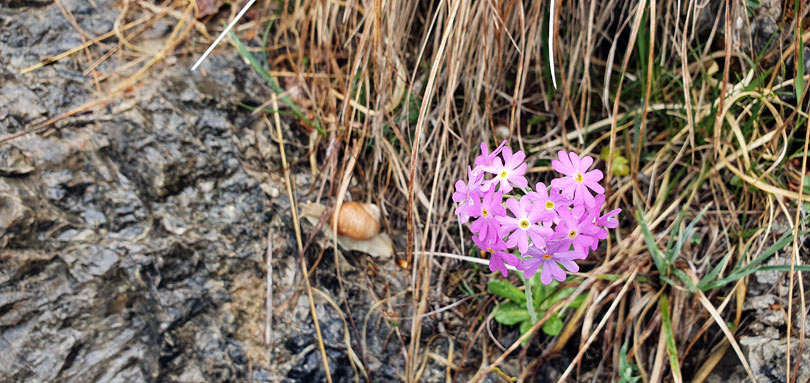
<point>124,234</point>
<point>768,358</point>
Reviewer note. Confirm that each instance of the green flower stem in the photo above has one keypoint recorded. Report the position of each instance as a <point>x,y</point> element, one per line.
<point>529,305</point>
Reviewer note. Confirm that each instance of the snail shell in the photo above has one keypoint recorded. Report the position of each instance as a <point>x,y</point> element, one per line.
<point>358,220</point>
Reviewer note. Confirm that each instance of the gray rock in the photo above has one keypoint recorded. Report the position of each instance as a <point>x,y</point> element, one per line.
<point>14,162</point>
<point>15,219</point>
<point>767,358</point>
<point>762,302</point>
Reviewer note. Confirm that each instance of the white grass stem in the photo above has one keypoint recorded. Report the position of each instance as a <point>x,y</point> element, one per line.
<point>464,258</point>
<point>551,43</point>
<point>222,35</point>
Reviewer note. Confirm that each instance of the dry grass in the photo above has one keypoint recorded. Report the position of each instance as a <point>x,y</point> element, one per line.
<point>407,95</point>
<point>403,91</point>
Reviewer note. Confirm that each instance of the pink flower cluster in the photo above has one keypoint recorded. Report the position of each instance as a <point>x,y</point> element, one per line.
<point>550,226</point>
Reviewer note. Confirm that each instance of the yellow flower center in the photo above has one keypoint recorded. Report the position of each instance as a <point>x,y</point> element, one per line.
<point>572,234</point>
<point>503,174</point>
<point>490,250</point>
<point>547,257</point>
<point>524,224</point>
<point>485,213</point>
<point>549,205</point>
<point>578,177</point>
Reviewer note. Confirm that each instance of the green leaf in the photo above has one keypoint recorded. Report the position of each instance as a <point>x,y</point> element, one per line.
<point>504,289</point>
<point>525,326</point>
<point>620,163</point>
<point>666,323</point>
<point>509,313</point>
<point>540,291</point>
<point>578,301</point>
<point>556,297</point>
<point>553,325</point>
<point>655,252</point>
<point>626,369</point>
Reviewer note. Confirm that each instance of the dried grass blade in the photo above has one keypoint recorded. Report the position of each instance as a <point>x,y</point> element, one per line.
<point>723,327</point>
<point>297,227</point>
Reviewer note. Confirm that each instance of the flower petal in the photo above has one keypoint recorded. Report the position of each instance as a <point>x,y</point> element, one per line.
<point>545,274</point>
<point>506,154</point>
<point>516,159</point>
<point>565,160</point>
<point>505,187</point>
<point>586,162</point>
<point>515,208</point>
<point>558,272</point>
<point>523,240</point>
<point>518,180</point>
<point>593,175</point>
<point>577,164</point>
<point>530,266</point>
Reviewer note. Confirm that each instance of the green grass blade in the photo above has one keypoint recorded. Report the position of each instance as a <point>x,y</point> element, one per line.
<point>785,268</point>
<point>752,267</point>
<point>713,273</point>
<point>674,233</point>
<point>684,236</point>
<point>685,279</point>
<point>666,323</point>
<point>271,81</point>
<point>800,55</point>
<point>655,252</point>
<point>783,241</point>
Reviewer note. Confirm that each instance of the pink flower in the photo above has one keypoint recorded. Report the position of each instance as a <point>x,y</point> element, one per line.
<point>550,260</point>
<point>466,193</point>
<point>605,221</point>
<point>524,224</point>
<point>486,158</point>
<point>498,258</point>
<point>488,211</point>
<point>509,172</point>
<point>608,221</point>
<point>476,180</point>
<point>571,231</point>
<point>578,179</point>
<point>550,202</point>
